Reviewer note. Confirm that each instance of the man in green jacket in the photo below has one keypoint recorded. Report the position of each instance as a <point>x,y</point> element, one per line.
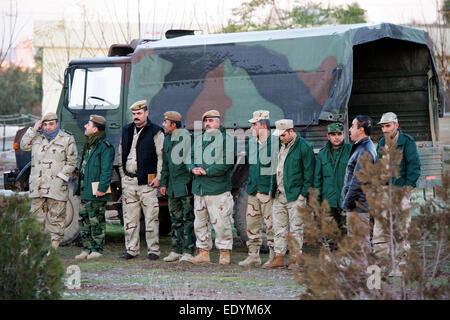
<point>212,159</point>
<point>408,176</point>
<point>259,203</point>
<point>176,184</point>
<point>330,169</point>
<point>294,176</point>
<point>96,171</point>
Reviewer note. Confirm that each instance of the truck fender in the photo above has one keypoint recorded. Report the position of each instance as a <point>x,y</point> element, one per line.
<point>25,171</point>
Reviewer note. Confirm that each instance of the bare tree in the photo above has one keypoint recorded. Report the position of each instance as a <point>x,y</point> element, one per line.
<point>9,31</point>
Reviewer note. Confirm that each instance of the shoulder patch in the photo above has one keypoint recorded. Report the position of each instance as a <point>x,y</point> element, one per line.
<point>107,143</point>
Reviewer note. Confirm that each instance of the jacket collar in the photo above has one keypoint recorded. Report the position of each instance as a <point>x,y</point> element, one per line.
<point>97,143</point>
<point>401,138</point>
<point>361,141</point>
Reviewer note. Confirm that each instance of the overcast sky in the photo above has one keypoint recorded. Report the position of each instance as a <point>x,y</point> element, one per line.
<point>203,12</point>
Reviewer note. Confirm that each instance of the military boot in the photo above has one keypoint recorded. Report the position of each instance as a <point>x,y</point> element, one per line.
<point>277,262</point>
<point>224,257</point>
<point>173,256</point>
<point>94,255</point>
<point>201,257</point>
<point>251,260</point>
<point>55,244</point>
<point>271,256</point>
<point>83,255</point>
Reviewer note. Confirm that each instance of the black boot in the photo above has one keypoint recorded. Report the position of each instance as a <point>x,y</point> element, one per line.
<point>127,256</point>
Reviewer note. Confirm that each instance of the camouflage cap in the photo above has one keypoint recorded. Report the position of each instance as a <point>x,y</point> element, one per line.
<point>172,115</point>
<point>50,116</point>
<point>138,105</point>
<point>282,125</point>
<point>211,114</point>
<point>97,119</point>
<point>259,115</point>
<point>335,127</point>
<point>388,117</point>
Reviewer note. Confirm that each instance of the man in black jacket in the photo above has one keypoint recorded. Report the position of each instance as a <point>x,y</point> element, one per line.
<point>140,164</point>
<point>352,192</point>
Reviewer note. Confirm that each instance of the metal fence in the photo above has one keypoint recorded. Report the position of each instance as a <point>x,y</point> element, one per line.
<point>14,122</point>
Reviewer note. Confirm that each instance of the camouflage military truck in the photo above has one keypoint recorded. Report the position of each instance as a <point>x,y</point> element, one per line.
<point>314,76</point>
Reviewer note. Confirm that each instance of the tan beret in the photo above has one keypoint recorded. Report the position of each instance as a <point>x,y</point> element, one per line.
<point>259,115</point>
<point>138,105</point>
<point>172,115</point>
<point>211,114</point>
<point>49,117</point>
<point>282,125</point>
<point>97,119</point>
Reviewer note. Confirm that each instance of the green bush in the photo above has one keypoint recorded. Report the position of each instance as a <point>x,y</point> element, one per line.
<point>26,271</point>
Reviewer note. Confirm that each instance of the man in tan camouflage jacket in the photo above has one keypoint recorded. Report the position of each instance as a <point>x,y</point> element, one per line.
<point>53,160</point>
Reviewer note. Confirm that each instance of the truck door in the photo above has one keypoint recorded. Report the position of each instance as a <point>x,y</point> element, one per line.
<point>93,89</point>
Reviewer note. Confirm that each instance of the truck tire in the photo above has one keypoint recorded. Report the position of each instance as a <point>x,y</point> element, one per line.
<point>240,223</point>
<point>71,231</point>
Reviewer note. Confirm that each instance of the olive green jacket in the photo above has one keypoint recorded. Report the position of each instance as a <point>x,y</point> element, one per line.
<point>329,174</point>
<point>211,155</point>
<point>259,160</point>
<point>298,170</point>
<point>410,164</point>
<point>174,175</point>
<point>99,168</point>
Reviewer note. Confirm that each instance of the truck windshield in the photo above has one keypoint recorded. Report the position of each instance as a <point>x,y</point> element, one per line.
<point>95,88</point>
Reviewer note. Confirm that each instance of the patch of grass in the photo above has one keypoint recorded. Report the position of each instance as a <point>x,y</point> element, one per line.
<point>114,233</point>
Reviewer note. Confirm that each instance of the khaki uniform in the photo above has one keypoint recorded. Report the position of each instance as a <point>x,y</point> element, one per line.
<point>258,207</point>
<point>52,164</point>
<point>380,241</point>
<point>213,210</point>
<point>285,215</point>
<point>136,197</point>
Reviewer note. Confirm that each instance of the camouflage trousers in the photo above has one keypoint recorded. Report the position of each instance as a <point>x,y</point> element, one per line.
<point>213,210</point>
<point>380,241</point>
<point>52,214</point>
<point>259,211</point>
<point>92,225</point>
<point>134,199</point>
<point>182,219</point>
<point>286,219</point>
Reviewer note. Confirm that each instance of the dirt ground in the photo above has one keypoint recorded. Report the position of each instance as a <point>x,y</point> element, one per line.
<point>141,279</point>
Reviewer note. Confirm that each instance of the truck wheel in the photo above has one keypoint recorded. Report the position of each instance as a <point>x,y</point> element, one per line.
<point>239,213</point>
<point>71,232</point>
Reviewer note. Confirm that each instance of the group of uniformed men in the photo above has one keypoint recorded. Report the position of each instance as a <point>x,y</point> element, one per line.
<point>198,184</point>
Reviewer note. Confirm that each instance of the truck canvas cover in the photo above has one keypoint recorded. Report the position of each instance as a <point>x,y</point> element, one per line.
<point>301,74</point>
